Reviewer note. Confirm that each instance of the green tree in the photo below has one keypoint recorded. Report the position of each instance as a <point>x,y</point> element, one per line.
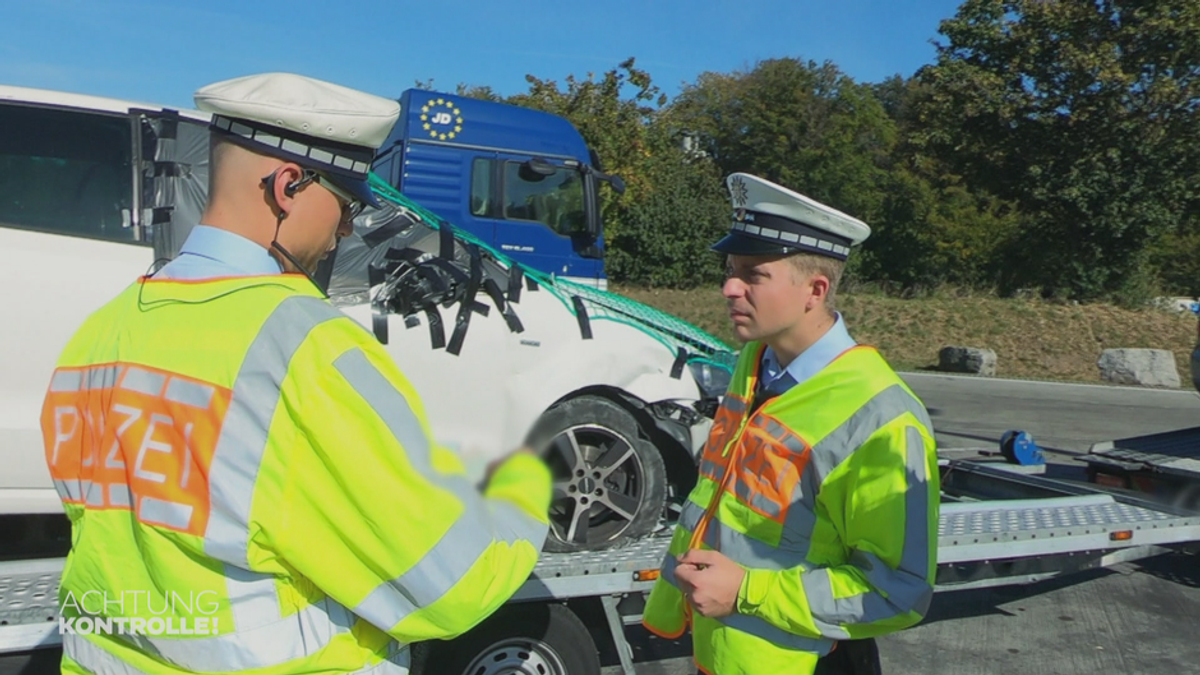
<point>807,126</point>
<point>1083,112</point>
<point>657,233</point>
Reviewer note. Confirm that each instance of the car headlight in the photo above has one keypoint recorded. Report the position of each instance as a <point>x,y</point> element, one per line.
<point>712,379</point>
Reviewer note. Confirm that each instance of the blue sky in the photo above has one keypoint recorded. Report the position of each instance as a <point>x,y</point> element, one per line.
<point>161,51</point>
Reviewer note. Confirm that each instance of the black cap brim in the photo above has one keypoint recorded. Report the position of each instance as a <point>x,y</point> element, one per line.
<point>736,243</point>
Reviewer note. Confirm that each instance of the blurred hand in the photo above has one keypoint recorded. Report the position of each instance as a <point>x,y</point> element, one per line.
<point>496,463</point>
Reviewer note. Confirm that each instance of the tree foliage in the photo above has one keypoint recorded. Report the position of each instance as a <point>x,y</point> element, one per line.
<point>1085,114</point>
<point>1052,145</point>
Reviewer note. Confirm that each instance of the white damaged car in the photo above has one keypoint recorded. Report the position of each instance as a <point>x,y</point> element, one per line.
<point>617,395</point>
<point>96,192</point>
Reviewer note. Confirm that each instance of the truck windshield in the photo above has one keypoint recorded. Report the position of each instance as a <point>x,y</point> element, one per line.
<point>66,172</point>
<point>555,200</point>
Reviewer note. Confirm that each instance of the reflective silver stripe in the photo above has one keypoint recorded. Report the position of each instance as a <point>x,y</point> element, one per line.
<point>756,626</point>
<point>243,439</point>
<point>143,381</point>
<point>712,470</point>
<point>884,407</point>
<point>253,599</point>
<point>802,514</point>
<point>95,495</point>
<point>905,589</point>
<point>735,405</point>
<point>292,638</point>
<point>749,551</point>
<point>94,658</point>
<point>118,495</point>
<point>691,515</point>
<point>66,380</point>
<point>755,499</point>
<point>69,489</point>
<point>442,567</point>
<point>189,393</point>
<point>915,559</point>
<point>828,611</point>
<point>480,525</point>
<point>104,377</point>
<point>295,637</point>
<point>161,512</point>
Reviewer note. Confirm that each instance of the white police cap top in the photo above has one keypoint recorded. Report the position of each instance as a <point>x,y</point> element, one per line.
<point>771,219</point>
<point>318,124</point>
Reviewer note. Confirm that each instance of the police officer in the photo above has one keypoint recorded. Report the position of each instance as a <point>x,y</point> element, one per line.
<point>812,528</point>
<point>243,462</point>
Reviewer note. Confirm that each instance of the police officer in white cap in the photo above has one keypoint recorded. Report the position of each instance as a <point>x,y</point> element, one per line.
<point>289,162</point>
<point>812,528</point>
<point>257,451</point>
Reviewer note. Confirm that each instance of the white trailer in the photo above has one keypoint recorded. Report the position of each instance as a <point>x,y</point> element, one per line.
<point>997,528</point>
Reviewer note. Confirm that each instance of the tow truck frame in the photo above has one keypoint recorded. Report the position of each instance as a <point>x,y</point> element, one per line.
<point>997,528</point>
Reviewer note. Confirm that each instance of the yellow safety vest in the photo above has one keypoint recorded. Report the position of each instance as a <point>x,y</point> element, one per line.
<point>828,495</point>
<point>252,486</point>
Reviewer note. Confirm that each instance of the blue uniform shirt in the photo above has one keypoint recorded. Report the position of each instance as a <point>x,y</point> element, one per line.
<point>777,379</point>
<point>212,252</point>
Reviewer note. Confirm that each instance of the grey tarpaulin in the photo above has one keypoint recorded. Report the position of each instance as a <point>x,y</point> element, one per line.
<point>175,182</point>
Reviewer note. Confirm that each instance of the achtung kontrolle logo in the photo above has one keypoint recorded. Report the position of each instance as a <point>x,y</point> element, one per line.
<point>139,613</point>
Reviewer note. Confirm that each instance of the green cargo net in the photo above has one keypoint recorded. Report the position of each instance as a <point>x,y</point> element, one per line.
<point>673,332</point>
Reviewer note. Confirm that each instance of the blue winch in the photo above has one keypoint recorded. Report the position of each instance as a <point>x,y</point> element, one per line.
<point>1018,448</point>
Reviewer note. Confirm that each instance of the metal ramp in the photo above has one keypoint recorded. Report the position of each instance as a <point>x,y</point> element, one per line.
<point>29,604</point>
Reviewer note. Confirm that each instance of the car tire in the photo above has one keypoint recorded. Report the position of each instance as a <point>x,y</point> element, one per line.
<point>610,483</point>
<point>546,639</point>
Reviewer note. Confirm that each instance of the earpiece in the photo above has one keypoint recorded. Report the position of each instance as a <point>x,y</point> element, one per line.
<point>269,185</point>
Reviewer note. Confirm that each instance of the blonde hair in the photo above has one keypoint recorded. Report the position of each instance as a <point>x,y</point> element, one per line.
<point>808,264</point>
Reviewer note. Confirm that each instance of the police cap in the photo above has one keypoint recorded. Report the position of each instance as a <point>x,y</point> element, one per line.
<point>769,219</point>
<point>326,127</point>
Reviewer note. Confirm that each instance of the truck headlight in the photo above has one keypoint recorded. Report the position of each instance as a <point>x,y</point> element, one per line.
<point>713,380</point>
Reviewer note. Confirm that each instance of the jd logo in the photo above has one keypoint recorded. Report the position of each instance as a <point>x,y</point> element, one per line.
<point>442,118</point>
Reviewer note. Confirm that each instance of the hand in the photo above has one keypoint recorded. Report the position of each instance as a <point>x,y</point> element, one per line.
<point>710,582</point>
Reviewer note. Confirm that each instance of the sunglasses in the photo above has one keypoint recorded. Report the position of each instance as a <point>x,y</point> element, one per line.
<point>351,205</point>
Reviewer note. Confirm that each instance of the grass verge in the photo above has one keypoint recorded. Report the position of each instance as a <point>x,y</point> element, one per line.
<point>1033,339</point>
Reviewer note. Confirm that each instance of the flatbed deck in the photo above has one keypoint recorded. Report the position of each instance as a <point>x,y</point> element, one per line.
<point>1025,529</point>
<point>1175,453</point>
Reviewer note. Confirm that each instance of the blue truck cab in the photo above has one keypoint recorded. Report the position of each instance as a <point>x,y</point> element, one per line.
<point>522,180</point>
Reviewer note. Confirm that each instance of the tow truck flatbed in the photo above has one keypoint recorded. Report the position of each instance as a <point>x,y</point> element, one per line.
<point>1173,452</point>
<point>1165,464</point>
<point>996,528</point>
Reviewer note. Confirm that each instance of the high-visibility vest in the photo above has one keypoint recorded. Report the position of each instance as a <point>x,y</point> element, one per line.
<point>828,495</point>
<point>242,462</point>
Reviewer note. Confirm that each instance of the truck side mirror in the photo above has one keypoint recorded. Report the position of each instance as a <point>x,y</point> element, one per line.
<point>536,169</point>
<point>617,184</point>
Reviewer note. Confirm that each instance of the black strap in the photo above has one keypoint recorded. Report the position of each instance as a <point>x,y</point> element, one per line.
<point>413,257</point>
<point>383,233</point>
<point>376,274</point>
<point>469,303</point>
<point>510,317</point>
<point>585,325</point>
<point>447,240</point>
<point>680,362</point>
<point>437,335</point>
<point>515,275</point>
<point>530,284</point>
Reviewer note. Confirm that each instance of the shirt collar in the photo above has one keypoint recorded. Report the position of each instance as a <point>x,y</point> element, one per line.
<point>229,249</point>
<point>812,360</point>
